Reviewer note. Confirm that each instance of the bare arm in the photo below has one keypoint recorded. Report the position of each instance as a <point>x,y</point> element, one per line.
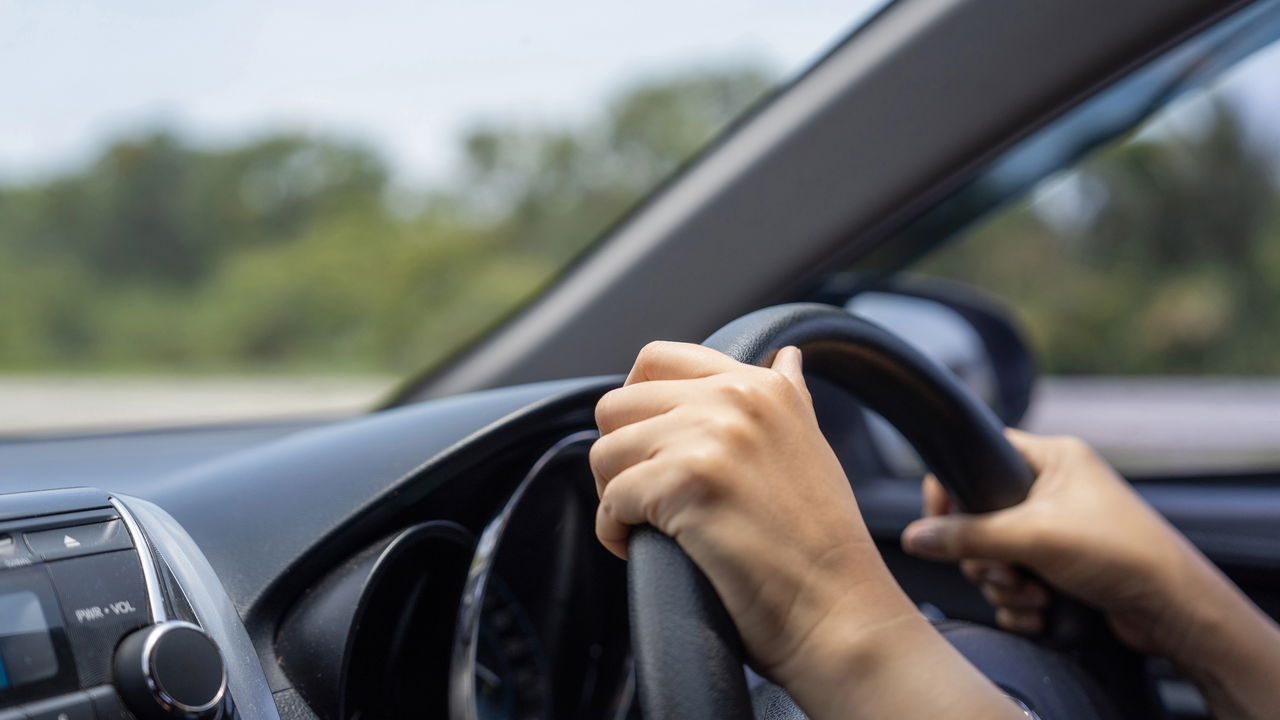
<point>1087,532</point>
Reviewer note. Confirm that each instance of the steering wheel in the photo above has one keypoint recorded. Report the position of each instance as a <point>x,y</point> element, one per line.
<point>688,655</point>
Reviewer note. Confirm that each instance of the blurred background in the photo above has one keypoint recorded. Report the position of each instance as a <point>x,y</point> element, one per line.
<point>229,210</point>
<point>240,211</point>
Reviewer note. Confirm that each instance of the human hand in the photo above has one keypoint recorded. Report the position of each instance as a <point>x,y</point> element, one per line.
<point>728,459</point>
<point>1084,530</point>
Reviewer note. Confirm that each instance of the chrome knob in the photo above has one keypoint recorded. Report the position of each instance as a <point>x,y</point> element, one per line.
<point>171,670</point>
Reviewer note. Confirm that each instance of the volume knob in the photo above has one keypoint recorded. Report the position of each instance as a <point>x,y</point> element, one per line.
<point>170,670</point>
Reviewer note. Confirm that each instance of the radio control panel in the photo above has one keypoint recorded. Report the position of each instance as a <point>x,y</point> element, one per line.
<point>84,626</point>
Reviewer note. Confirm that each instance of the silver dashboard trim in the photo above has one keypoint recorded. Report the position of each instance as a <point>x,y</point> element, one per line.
<point>150,575</point>
<point>213,609</point>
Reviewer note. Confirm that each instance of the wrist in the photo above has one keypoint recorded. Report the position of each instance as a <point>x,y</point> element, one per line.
<point>848,650</point>
<point>848,631</point>
<point>1199,611</point>
<point>1226,644</point>
<point>896,665</point>
<point>1171,605</point>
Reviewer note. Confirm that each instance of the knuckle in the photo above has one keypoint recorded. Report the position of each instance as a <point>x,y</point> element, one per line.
<point>728,427</point>
<point>611,501</point>
<point>653,350</point>
<point>736,390</point>
<point>703,468</point>
<point>710,461</point>
<point>752,391</point>
<point>775,383</point>
<point>606,407</point>
<point>1072,445</point>
<point>597,454</point>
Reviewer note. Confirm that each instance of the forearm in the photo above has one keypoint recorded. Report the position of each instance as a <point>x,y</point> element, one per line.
<point>896,666</point>
<point>1232,651</point>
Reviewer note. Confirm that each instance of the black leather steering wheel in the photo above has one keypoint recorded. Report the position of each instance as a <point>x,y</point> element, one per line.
<point>688,655</point>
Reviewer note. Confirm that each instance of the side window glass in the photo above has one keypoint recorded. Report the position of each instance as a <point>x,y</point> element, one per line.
<point>1148,281</point>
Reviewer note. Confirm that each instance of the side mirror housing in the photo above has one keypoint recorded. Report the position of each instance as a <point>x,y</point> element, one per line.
<point>972,334</point>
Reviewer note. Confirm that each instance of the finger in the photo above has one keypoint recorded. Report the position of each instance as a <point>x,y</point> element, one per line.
<point>1028,596</point>
<point>625,502</point>
<point>661,360</point>
<point>634,403</point>
<point>630,445</point>
<point>993,572</point>
<point>935,499</point>
<point>658,492</point>
<point>976,571</point>
<point>790,364</point>
<point>1036,450</point>
<point>1000,535</point>
<point>612,533</point>
<point>1024,622</point>
<point>1004,575</point>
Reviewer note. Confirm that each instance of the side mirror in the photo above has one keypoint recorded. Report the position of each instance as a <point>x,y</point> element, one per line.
<point>968,332</point>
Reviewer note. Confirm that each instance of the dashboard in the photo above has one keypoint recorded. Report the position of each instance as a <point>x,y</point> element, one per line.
<point>433,561</point>
<point>425,562</point>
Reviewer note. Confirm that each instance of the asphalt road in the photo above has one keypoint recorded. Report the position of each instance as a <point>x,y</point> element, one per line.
<point>1187,423</point>
<point>1141,424</point>
<point>36,405</point>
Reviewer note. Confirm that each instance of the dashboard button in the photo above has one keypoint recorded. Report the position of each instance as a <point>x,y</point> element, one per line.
<point>75,706</point>
<point>103,598</point>
<point>13,553</point>
<point>80,540</point>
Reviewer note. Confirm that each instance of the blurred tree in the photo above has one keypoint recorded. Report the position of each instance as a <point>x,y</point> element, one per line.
<point>1169,269</point>
<point>554,190</point>
<point>152,210</point>
<point>292,253</point>
<point>285,253</point>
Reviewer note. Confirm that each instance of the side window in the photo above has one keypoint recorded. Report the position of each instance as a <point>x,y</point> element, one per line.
<point>1148,281</point>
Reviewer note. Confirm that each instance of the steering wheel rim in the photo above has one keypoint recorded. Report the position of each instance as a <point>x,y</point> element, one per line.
<point>687,651</point>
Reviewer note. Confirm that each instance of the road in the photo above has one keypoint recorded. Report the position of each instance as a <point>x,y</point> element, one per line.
<point>1152,424</point>
<point>43,404</point>
<point>1142,424</point>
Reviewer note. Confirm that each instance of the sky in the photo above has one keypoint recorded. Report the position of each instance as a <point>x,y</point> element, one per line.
<point>408,76</point>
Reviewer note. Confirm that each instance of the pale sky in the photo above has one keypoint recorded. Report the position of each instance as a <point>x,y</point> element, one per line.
<point>405,75</point>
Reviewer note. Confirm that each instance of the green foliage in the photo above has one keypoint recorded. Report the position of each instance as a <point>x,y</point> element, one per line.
<point>285,254</point>
<point>1172,267</point>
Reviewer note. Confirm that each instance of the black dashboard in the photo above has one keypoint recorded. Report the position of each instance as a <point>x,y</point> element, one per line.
<point>436,560</point>
<point>393,565</point>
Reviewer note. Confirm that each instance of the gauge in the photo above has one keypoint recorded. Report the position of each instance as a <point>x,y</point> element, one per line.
<point>542,623</point>
<point>511,681</point>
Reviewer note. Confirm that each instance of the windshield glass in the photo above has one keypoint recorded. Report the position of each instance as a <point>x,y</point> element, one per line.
<point>233,210</point>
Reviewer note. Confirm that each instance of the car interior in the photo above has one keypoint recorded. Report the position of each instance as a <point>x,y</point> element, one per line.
<point>436,557</point>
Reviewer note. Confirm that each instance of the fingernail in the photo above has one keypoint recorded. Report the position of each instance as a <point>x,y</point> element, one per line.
<point>923,539</point>
<point>1003,578</point>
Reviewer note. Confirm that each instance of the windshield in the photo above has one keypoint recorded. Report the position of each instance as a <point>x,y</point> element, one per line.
<point>229,211</point>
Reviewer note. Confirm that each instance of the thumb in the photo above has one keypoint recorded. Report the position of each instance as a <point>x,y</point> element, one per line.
<point>789,363</point>
<point>991,536</point>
